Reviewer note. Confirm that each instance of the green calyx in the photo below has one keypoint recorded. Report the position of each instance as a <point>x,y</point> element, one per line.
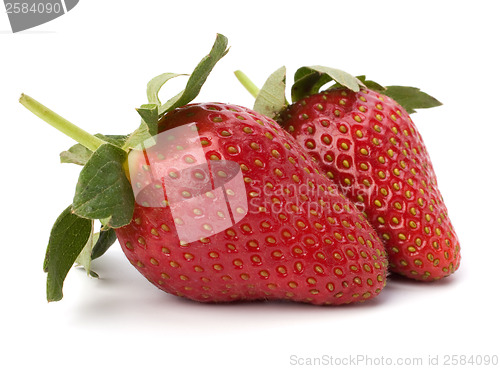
<point>107,198</point>
<point>310,80</point>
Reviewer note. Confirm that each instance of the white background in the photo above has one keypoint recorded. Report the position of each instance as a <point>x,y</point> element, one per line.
<point>92,66</point>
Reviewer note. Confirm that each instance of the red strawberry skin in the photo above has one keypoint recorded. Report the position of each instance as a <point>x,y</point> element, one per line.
<point>368,145</point>
<point>273,228</point>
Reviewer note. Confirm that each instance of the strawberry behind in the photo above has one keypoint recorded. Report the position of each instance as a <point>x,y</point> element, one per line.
<point>367,144</point>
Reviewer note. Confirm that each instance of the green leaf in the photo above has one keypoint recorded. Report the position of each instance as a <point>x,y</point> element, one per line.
<point>103,189</point>
<point>372,85</point>
<point>106,239</point>
<point>148,128</point>
<point>140,138</point>
<point>309,80</point>
<point>149,115</point>
<point>84,258</point>
<point>155,85</point>
<point>68,237</point>
<point>307,83</point>
<point>116,140</point>
<point>79,154</point>
<point>76,154</point>
<point>199,76</point>
<point>411,98</point>
<point>341,77</point>
<point>271,98</point>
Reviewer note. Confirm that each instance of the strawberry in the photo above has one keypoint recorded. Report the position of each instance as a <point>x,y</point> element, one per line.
<point>248,215</point>
<point>368,145</point>
<point>213,202</point>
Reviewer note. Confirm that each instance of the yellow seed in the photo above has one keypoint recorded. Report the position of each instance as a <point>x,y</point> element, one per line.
<point>174,264</point>
<point>277,254</point>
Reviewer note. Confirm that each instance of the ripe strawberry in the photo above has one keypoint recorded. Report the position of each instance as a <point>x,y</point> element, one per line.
<point>369,146</point>
<point>231,208</point>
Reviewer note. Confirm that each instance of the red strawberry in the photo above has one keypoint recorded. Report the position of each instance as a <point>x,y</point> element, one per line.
<point>369,146</point>
<point>274,229</point>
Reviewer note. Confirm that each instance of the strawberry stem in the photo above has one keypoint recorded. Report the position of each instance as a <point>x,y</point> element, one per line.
<point>247,83</point>
<point>55,120</point>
